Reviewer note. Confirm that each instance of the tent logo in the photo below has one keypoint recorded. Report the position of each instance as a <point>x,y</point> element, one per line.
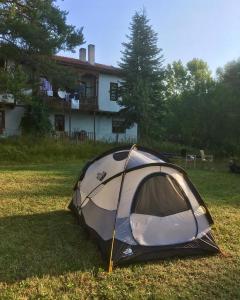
<point>128,252</point>
<point>101,175</point>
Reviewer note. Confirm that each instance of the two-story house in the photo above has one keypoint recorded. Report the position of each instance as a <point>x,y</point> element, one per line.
<point>90,111</point>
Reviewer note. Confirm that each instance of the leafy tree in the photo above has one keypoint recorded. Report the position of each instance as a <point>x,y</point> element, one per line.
<point>31,32</point>
<point>13,80</point>
<point>189,103</point>
<point>141,65</point>
<point>36,119</point>
<point>199,75</point>
<point>228,108</point>
<point>176,78</point>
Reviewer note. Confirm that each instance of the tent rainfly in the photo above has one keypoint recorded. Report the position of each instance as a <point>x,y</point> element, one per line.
<point>140,207</point>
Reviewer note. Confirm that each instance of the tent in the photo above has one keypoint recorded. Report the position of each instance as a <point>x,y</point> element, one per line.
<point>140,207</point>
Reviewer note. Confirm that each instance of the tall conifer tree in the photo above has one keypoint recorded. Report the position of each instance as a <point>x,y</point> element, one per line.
<point>141,64</point>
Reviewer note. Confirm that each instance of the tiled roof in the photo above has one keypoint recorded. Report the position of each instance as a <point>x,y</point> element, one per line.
<point>87,66</point>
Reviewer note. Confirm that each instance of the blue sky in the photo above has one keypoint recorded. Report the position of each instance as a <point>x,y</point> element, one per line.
<point>207,29</point>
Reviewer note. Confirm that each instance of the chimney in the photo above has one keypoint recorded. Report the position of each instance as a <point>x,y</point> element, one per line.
<point>91,54</point>
<point>82,54</point>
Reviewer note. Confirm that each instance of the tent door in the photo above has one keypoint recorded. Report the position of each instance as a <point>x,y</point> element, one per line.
<point>161,213</point>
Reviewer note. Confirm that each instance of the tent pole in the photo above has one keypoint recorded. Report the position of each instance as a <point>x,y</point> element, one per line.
<point>110,266</point>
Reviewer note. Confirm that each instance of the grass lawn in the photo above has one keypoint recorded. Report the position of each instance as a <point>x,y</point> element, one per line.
<point>44,254</point>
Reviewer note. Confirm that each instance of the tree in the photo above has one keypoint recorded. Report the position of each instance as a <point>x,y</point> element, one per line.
<point>199,75</point>
<point>31,32</point>
<point>13,80</point>
<point>176,78</point>
<point>141,65</point>
<point>31,29</point>
<point>189,102</point>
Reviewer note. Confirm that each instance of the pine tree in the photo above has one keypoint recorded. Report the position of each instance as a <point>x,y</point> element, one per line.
<point>31,32</point>
<point>141,65</point>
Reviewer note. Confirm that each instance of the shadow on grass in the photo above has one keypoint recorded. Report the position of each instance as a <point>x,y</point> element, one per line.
<point>44,244</point>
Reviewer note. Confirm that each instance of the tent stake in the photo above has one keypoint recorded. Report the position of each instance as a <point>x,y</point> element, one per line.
<point>110,266</point>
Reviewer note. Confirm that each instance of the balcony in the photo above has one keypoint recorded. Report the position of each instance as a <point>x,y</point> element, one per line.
<point>84,104</point>
<point>7,100</point>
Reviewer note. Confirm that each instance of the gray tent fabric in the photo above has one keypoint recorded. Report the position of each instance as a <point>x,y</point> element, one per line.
<point>138,206</point>
<point>159,195</point>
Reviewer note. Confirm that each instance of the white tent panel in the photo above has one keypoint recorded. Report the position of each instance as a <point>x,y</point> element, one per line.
<point>139,158</point>
<point>158,231</point>
<point>107,197</point>
<point>106,165</point>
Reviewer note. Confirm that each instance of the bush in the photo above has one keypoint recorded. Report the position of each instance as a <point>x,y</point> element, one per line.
<point>47,150</point>
<point>33,150</point>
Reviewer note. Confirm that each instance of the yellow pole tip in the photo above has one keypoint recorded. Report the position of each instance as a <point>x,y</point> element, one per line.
<point>110,268</point>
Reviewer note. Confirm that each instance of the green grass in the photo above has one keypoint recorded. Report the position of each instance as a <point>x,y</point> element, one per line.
<point>44,254</point>
<point>47,150</point>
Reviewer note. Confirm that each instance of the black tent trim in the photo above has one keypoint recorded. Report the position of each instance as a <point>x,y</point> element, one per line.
<point>200,246</point>
<point>120,148</point>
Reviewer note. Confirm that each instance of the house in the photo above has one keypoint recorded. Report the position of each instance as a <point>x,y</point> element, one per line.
<point>89,112</point>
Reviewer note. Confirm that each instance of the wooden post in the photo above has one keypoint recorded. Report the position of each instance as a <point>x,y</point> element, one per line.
<point>94,127</point>
<point>70,117</point>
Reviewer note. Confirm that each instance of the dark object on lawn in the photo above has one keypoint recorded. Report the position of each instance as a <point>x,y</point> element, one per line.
<point>139,207</point>
<point>183,152</point>
<point>233,166</point>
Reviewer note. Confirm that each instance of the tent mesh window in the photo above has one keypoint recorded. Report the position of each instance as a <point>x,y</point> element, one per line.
<point>159,195</point>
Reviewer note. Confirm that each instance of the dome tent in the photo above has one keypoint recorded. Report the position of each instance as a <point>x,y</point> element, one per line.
<point>140,207</point>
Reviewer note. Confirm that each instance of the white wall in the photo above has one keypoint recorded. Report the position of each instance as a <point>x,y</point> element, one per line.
<point>104,102</point>
<point>81,121</point>
<point>12,120</point>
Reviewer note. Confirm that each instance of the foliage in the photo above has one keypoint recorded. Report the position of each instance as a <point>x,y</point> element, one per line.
<point>35,148</point>
<point>31,32</point>
<point>203,112</point>
<point>13,80</point>
<point>141,66</point>
<point>36,119</point>
<point>30,28</point>
<point>44,254</point>
<point>32,149</point>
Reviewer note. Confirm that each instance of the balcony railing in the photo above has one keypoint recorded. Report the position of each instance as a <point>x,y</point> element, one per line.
<point>6,99</point>
<point>79,136</point>
<point>84,104</point>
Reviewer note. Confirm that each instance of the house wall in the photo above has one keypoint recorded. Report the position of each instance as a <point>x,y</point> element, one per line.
<point>104,102</point>
<point>81,121</point>
<point>12,120</point>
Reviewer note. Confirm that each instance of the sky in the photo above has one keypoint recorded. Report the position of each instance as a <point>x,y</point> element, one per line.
<point>206,29</point>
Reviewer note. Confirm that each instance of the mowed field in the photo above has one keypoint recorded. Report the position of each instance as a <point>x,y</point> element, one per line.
<point>44,254</point>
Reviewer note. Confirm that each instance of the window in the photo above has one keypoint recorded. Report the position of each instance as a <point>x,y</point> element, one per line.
<point>159,195</point>
<point>59,123</point>
<point>2,63</point>
<point>2,119</point>
<point>113,91</point>
<point>118,125</point>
